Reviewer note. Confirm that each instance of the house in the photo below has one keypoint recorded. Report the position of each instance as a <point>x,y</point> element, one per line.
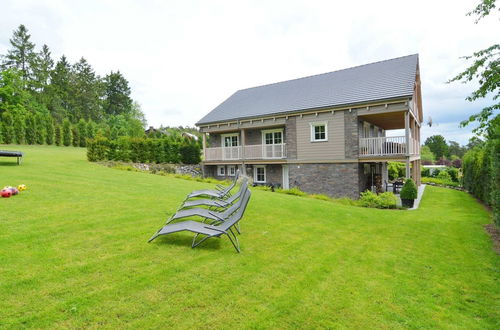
<point>329,133</point>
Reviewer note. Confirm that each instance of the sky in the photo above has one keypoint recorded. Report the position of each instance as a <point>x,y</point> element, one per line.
<point>183,58</point>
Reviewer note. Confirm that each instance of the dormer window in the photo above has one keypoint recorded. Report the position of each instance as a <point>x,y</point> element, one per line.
<point>319,131</point>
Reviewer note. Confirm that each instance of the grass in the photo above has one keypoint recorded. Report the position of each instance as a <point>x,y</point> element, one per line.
<point>73,254</point>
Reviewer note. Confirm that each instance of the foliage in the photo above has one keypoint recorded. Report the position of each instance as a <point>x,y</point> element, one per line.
<point>143,150</point>
<point>396,170</point>
<point>8,127</point>
<point>386,200</point>
<point>440,182</point>
<point>437,145</point>
<point>444,176</point>
<point>426,172</point>
<point>453,173</point>
<point>66,133</point>
<point>409,190</point>
<point>30,129</point>
<point>58,135</point>
<point>426,155</point>
<point>292,191</point>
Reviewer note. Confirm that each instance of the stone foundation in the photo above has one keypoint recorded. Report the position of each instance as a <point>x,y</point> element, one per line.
<point>335,180</point>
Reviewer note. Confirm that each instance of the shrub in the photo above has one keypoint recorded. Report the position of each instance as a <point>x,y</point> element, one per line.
<point>190,153</point>
<point>97,149</point>
<point>50,131</point>
<point>440,182</point>
<point>409,190</point>
<point>443,175</point>
<point>426,172</point>
<point>8,129</point>
<point>293,191</point>
<point>321,197</point>
<point>453,173</point>
<point>19,129</point>
<point>385,200</point>
<point>66,133</point>
<point>30,129</point>
<point>75,132</point>
<point>58,135</point>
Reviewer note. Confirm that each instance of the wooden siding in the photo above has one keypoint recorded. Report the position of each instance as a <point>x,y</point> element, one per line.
<point>332,149</point>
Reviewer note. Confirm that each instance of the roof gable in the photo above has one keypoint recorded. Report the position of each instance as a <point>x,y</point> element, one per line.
<point>375,81</point>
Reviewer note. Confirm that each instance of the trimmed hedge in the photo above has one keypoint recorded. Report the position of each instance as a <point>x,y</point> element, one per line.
<point>143,150</point>
<point>409,190</point>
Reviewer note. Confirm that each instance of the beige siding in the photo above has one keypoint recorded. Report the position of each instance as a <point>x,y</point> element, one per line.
<point>328,150</point>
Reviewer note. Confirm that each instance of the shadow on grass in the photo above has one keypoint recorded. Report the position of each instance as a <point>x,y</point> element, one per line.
<point>7,163</point>
<point>186,240</point>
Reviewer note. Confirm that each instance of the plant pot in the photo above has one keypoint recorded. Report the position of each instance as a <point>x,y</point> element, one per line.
<point>407,202</point>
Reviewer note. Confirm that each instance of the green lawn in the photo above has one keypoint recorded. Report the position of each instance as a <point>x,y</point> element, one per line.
<point>73,254</point>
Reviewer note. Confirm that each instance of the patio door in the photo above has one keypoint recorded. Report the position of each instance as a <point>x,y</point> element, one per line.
<point>272,143</point>
<point>230,149</point>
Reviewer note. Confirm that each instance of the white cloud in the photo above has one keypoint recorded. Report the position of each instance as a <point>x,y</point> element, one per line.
<point>183,58</point>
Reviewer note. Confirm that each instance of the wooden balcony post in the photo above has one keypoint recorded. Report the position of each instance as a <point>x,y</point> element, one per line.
<point>204,141</point>
<point>243,143</point>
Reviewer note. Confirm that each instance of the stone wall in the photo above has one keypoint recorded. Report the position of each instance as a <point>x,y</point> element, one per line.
<point>291,138</point>
<point>274,175</point>
<point>335,180</point>
<point>351,134</point>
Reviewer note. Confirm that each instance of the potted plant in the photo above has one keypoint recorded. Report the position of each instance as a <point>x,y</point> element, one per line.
<point>409,193</point>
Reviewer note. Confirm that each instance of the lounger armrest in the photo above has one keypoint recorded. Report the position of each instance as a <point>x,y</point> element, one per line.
<point>216,216</point>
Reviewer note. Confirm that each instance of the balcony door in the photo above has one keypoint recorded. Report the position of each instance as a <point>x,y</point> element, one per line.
<point>230,146</point>
<point>272,143</point>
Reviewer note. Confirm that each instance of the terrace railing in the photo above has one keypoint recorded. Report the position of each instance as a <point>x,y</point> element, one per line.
<point>259,151</point>
<point>387,146</point>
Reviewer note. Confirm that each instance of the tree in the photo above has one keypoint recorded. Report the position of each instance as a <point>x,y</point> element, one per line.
<point>8,128</point>
<point>22,54</point>
<point>76,135</point>
<point>427,156</point>
<point>486,69</point>
<point>86,92</point>
<point>437,144</point>
<point>49,128</point>
<point>40,132</point>
<point>59,90</point>
<point>42,67</point>
<point>58,135</point>
<point>67,136</point>
<point>82,133</point>
<point>454,148</point>
<point>30,126</point>
<point>19,129</point>
<point>116,94</point>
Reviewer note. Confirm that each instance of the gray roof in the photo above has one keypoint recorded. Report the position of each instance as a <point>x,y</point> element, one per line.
<point>375,81</point>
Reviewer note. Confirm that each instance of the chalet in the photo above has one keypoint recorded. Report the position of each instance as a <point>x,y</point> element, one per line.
<point>329,133</point>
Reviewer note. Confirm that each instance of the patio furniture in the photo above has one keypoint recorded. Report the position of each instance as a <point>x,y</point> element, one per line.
<point>216,202</point>
<point>396,186</point>
<point>207,214</point>
<point>214,193</point>
<point>18,154</point>
<point>199,228</point>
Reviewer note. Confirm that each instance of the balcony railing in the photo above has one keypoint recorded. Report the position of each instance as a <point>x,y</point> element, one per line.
<point>259,151</point>
<point>388,146</point>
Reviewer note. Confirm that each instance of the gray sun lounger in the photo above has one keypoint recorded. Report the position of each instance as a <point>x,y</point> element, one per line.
<point>223,228</point>
<point>210,214</point>
<point>214,193</point>
<point>214,203</point>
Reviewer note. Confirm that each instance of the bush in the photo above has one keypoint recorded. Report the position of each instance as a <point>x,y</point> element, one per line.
<point>396,170</point>
<point>443,175</point>
<point>453,173</point>
<point>293,191</point>
<point>440,182</point>
<point>190,153</point>
<point>97,149</point>
<point>66,133</point>
<point>385,200</point>
<point>30,129</point>
<point>7,130</point>
<point>409,190</point>
<point>426,172</point>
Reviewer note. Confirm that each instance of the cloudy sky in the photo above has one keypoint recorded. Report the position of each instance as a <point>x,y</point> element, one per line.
<point>183,58</point>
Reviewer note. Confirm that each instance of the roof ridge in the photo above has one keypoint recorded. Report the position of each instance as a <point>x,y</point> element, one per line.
<point>325,73</point>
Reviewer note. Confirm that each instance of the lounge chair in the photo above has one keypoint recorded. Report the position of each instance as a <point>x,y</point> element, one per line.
<point>211,214</point>
<point>215,193</point>
<point>216,202</point>
<point>199,228</point>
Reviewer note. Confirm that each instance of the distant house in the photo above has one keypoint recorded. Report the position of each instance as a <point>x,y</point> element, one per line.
<point>323,134</point>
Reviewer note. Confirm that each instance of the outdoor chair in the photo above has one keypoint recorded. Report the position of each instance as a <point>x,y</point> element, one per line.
<point>215,203</point>
<point>199,228</point>
<point>207,214</point>
<point>215,193</point>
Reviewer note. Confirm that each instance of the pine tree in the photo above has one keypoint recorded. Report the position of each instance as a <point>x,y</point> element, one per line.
<point>1,130</point>
<point>116,94</point>
<point>8,128</point>
<point>49,122</point>
<point>66,133</point>
<point>86,93</point>
<point>42,67</point>
<point>91,129</point>
<point>59,90</point>
<point>82,133</point>
<point>76,135</point>
<point>19,129</point>
<point>22,54</point>
<point>30,129</point>
<point>40,132</point>
<point>57,135</point>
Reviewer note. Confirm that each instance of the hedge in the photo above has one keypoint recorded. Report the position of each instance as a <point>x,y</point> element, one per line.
<point>481,175</point>
<point>143,150</point>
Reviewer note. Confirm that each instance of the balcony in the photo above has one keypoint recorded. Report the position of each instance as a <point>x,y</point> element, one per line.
<point>388,146</point>
<point>249,152</point>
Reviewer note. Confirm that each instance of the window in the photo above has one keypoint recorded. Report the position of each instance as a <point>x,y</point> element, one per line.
<point>221,170</point>
<point>259,174</point>
<point>231,170</point>
<point>319,132</point>
<point>230,140</point>
<point>272,136</point>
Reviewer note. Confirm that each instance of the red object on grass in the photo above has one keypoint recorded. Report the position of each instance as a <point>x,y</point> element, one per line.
<point>6,193</point>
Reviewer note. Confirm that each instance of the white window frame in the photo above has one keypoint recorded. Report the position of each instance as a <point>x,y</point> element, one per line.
<point>223,136</point>
<point>219,172</point>
<point>255,173</point>
<point>272,131</point>
<point>231,168</point>
<point>314,125</point>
